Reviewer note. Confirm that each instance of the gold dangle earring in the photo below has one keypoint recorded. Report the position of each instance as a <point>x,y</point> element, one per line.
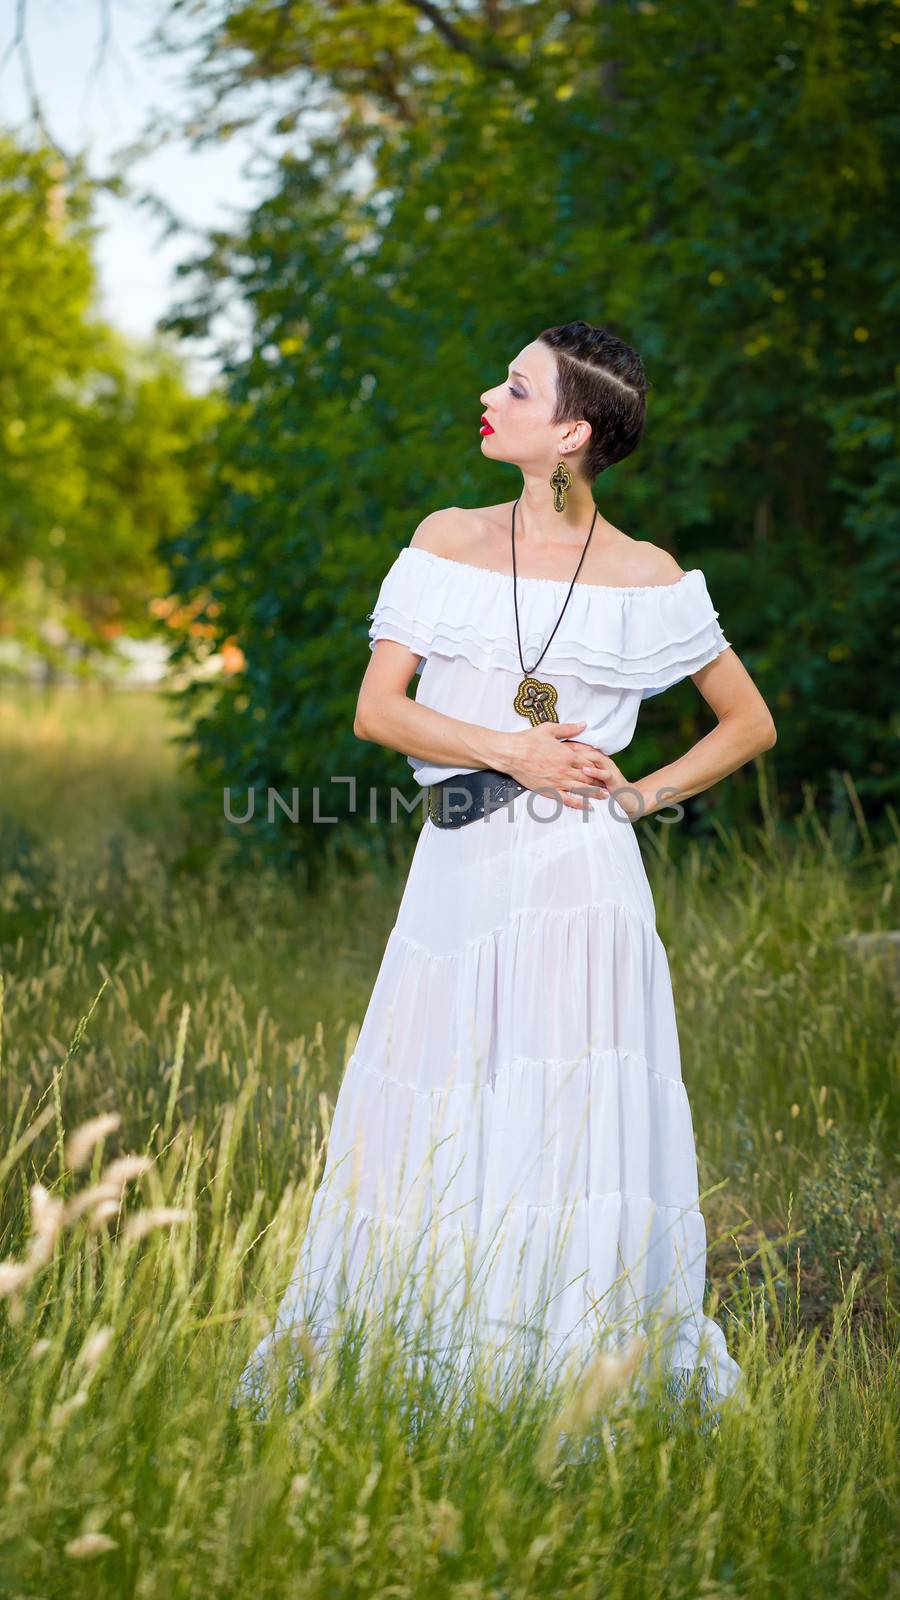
<point>561,479</point>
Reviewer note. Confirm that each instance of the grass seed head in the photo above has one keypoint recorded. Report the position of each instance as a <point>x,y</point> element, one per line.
<point>90,1544</point>
<point>124,1168</point>
<point>46,1221</point>
<point>605,1376</point>
<point>95,1346</point>
<point>82,1139</point>
<point>159,1217</point>
<point>90,1197</point>
<point>104,1212</point>
<point>13,1276</point>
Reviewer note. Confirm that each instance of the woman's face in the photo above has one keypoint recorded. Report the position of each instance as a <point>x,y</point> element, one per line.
<point>519,411</point>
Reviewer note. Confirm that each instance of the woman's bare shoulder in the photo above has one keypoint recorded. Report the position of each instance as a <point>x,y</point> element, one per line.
<point>463,533</point>
<point>654,566</point>
<point>442,532</point>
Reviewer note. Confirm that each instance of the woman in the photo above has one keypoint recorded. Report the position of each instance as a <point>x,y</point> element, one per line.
<point>513,1121</point>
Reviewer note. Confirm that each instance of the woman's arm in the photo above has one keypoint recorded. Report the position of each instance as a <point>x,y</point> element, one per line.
<point>550,755</point>
<point>744,729</point>
<point>386,715</point>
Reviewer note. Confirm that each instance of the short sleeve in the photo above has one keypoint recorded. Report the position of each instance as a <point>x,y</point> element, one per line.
<point>402,610</point>
<point>689,635</point>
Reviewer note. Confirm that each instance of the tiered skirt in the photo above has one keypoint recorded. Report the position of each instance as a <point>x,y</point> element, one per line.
<point>512,1143</point>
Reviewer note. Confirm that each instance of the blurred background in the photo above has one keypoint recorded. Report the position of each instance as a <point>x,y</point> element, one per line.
<point>259,262</point>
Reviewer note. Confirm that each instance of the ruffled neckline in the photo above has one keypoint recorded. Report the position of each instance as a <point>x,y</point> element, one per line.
<point>631,636</point>
<point>552,583</point>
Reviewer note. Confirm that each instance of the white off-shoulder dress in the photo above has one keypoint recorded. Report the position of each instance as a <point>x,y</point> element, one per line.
<point>512,1126</point>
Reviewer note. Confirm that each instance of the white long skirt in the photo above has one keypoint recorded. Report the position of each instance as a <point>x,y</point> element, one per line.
<point>512,1140</point>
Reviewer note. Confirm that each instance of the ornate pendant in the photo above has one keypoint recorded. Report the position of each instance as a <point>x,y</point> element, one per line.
<point>536,700</point>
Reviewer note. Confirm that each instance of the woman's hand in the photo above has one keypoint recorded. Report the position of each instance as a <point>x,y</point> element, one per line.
<point>606,779</point>
<point>549,757</point>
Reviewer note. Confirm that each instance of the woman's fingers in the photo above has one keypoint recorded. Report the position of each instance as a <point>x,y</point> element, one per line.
<point>585,793</point>
<point>582,786</point>
<point>574,797</point>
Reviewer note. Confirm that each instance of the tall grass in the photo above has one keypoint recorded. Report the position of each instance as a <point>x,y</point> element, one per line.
<point>204,1015</point>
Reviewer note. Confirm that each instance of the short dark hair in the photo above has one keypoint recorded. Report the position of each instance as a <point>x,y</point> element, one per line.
<point>600,378</point>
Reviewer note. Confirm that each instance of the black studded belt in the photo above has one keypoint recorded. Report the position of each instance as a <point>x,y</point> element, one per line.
<point>466,796</point>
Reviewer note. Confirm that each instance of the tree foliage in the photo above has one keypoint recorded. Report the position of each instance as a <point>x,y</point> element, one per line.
<point>102,445</point>
<point>718,183</point>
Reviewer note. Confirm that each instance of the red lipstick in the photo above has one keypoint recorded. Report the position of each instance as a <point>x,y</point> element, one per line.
<point>485,428</point>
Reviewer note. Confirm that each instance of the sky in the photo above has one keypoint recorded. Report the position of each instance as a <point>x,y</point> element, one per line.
<point>98,110</point>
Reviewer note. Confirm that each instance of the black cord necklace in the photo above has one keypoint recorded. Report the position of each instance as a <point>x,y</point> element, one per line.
<point>534,699</point>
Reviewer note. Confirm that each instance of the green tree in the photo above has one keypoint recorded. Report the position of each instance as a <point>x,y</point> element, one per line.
<point>717,183</point>
<point>102,444</point>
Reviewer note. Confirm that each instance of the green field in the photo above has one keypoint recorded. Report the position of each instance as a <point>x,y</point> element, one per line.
<point>211,1009</point>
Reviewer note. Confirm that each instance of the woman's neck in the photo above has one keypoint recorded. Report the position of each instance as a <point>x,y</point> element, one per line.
<point>540,525</point>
